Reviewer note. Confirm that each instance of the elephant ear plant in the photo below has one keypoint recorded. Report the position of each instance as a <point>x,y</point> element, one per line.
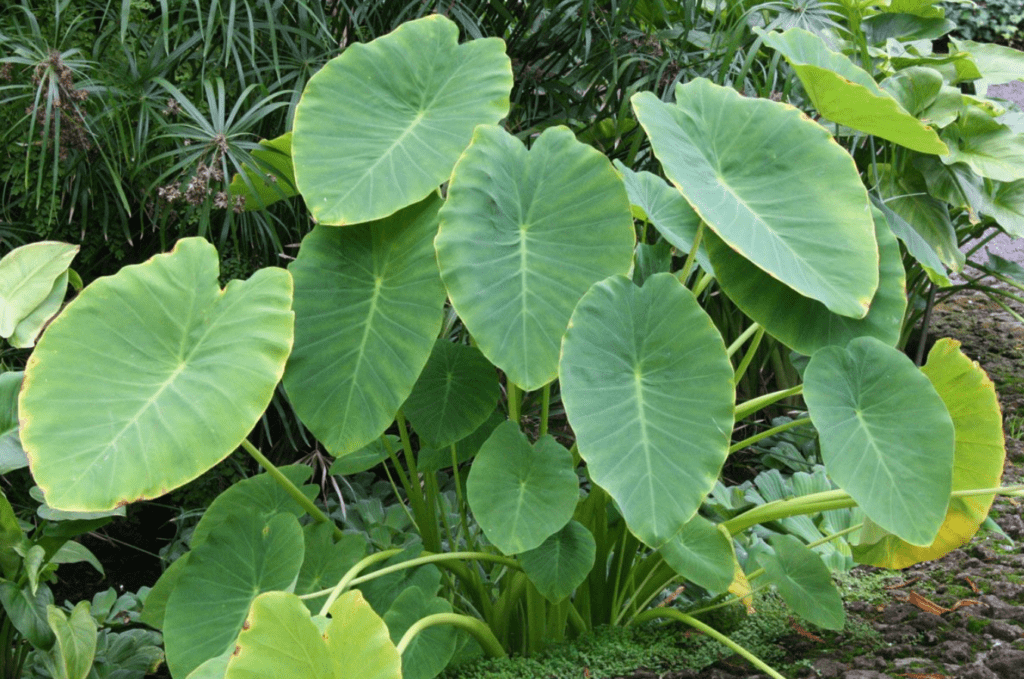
<point>406,303</point>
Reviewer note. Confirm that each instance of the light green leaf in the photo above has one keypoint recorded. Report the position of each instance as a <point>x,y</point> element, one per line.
<point>945,109</point>
<point>380,126</point>
<point>430,651</point>
<point>277,182</point>
<point>702,554</point>
<point>368,307</point>
<point>279,641</point>
<point>651,259</point>
<point>523,235</point>
<point>772,185</point>
<point>12,456</point>
<point>989,148</point>
<point>358,639</point>
<point>76,640</point>
<point>807,324</point>
<point>434,459</point>
<point>804,582</point>
<point>955,184</point>
<point>455,394</point>
<point>639,366</point>
<point>916,245</point>
<point>978,460</point>
<point>240,558</point>
<point>905,27</point>
<point>562,562</point>
<point>848,95</point>
<point>25,335</point>
<point>27,276</point>
<point>886,436</point>
<point>152,376</point>
<point>521,494</point>
<point>998,64</point>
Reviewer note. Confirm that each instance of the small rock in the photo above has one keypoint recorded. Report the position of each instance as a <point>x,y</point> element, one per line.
<point>1004,630</point>
<point>1007,663</point>
<point>1000,610</point>
<point>869,662</point>
<point>912,663</point>
<point>956,652</point>
<point>829,669</point>
<point>977,672</point>
<point>865,674</point>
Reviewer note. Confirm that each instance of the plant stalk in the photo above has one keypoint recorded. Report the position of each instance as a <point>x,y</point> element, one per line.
<point>477,628</point>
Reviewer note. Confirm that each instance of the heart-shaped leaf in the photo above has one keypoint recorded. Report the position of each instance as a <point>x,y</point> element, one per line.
<point>562,562</point>
<point>971,399</point>
<point>380,126</point>
<point>772,185</point>
<point>804,582</point>
<point>521,494</point>
<point>152,376</point>
<point>523,235</point>
<point>76,640</point>
<point>368,307</point>
<point>277,182</point>
<point>886,436</point>
<point>326,560</point>
<point>990,148</point>
<point>639,366</point>
<point>807,324</point>
<point>25,335</point>
<point>241,557</point>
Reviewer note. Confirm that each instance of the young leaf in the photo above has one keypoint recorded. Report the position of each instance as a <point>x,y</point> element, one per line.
<point>804,582</point>
<point>562,562</point>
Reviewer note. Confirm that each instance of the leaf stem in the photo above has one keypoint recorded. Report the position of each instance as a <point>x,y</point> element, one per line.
<point>545,407</point>
<point>289,487</point>
<point>765,434</point>
<point>691,256</point>
<point>477,628</point>
<point>655,613</point>
<point>753,405</point>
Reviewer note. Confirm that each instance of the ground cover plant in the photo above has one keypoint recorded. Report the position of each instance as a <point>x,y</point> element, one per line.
<point>432,333</point>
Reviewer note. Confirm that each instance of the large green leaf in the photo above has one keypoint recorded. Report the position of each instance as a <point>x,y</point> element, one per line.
<point>27,277</point>
<point>12,456</point>
<point>886,436</point>
<point>702,554</point>
<point>156,601</point>
<point>455,394</point>
<point>771,184</point>
<point>75,649</point>
<point>521,494</point>
<point>434,459</point>
<point>648,389</point>
<point>367,457</point>
<point>915,88</point>
<point>430,650</point>
<point>991,149</point>
<point>241,557</point>
<point>848,95</point>
<point>916,245</point>
<point>277,181</point>
<point>562,562</point>
<point>524,234</point>
<point>368,307</point>
<point>152,376</point>
<point>804,582</point>
<point>971,399</point>
<point>381,126</point>
<point>807,324</point>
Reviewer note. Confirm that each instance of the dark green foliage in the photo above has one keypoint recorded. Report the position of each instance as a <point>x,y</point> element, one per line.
<point>995,21</point>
